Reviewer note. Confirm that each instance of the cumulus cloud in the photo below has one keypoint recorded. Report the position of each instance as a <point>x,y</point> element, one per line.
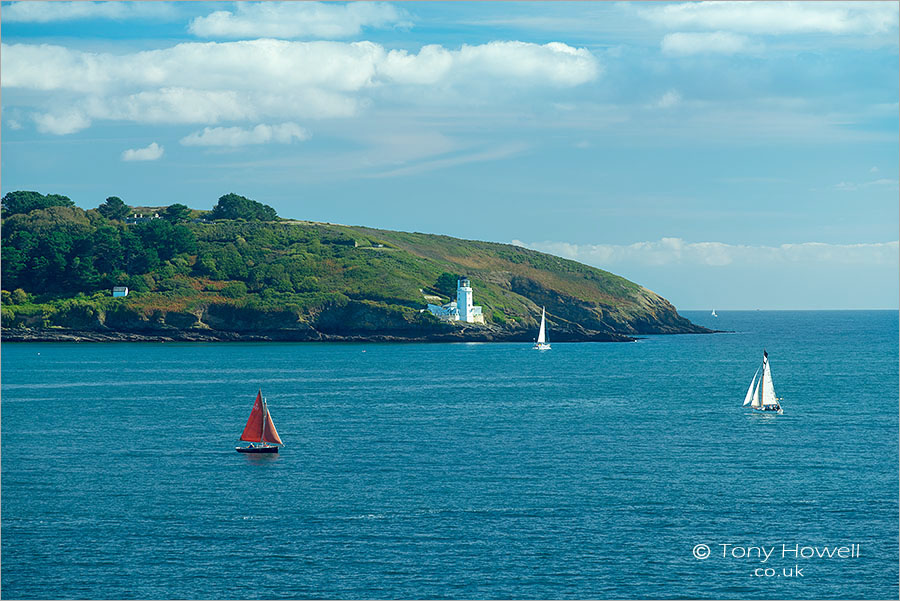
<point>297,20</point>
<point>285,133</point>
<point>515,62</point>
<point>150,153</point>
<point>778,17</point>
<point>47,12</point>
<point>64,122</point>
<point>214,82</point>
<point>718,42</point>
<point>672,251</point>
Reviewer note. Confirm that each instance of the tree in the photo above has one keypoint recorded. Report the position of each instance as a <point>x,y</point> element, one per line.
<point>176,213</point>
<point>446,284</point>
<point>114,208</point>
<point>233,206</point>
<point>25,201</point>
<point>107,249</point>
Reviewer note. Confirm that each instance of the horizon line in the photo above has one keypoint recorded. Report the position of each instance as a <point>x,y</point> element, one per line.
<point>831,309</point>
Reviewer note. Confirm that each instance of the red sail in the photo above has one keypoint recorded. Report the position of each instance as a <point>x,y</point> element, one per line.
<point>253,429</point>
<point>271,434</point>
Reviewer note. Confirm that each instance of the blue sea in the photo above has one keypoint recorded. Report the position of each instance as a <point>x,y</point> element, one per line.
<point>459,470</point>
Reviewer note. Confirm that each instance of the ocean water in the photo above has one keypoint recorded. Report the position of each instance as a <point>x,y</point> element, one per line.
<point>458,470</point>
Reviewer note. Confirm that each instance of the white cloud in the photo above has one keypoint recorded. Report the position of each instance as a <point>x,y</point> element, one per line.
<point>284,133</point>
<point>47,12</point>
<point>65,122</point>
<point>862,18</point>
<point>873,170</point>
<point>671,251</point>
<point>13,124</point>
<point>669,99</point>
<point>718,42</point>
<point>513,62</point>
<point>214,82</point>
<point>150,153</point>
<point>297,20</point>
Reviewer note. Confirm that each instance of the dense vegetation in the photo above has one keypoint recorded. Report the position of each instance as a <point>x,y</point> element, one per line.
<point>24,201</point>
<point>59,263</point>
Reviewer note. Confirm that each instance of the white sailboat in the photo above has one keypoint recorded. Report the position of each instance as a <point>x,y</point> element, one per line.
<point>761,394</point>
<point>714,313</point>
<point>541,343</point>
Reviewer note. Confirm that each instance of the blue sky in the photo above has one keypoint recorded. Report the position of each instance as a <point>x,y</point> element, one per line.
<point>734,155</point>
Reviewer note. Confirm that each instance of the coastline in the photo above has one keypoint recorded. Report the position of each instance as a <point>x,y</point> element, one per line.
<point>310,335</point>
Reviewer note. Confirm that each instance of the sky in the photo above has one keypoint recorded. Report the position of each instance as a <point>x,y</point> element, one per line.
<point>726,155</point>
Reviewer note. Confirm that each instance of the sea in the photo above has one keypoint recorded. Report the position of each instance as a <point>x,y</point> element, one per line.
<point>490,470</point>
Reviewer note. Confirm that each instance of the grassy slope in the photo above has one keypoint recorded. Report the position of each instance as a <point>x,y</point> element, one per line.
<point>347,264</point>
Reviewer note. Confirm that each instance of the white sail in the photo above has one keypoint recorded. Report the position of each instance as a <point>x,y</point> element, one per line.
<point>755,402</point>
<point>542,335</point>
<point>749,396</point>
<point>768,389</point>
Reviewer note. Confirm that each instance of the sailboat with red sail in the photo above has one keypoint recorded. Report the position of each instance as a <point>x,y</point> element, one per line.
<point>260,429</point>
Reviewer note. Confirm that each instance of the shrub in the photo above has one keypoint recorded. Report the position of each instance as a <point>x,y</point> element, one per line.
<point>234,290</point>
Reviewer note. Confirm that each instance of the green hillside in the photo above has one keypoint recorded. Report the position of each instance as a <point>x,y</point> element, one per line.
<point>194,277</point>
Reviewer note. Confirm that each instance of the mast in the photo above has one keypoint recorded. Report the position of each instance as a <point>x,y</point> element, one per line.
<point>262,434</point>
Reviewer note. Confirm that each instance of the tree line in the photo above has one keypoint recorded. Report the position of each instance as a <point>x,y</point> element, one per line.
<point>50,245</point>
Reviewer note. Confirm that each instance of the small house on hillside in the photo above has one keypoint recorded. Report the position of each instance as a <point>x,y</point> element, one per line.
<point>141,218</point>
<point>120,291</point>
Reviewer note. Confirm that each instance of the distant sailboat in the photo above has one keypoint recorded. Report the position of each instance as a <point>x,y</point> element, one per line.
<point>541,344</point>
<point>714,313</point>
<point>768,401</point>
<point>260,428</point>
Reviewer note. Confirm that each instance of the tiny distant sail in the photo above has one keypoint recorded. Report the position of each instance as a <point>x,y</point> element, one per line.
<point>254,428</point>
<point>542,334</point>
<point>749,396</point>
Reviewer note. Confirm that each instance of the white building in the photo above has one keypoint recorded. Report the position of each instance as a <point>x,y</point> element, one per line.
<point>462,308</point>
<point>120,291</point>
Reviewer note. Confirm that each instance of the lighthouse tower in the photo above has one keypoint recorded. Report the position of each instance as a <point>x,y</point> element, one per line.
<point>462,308</point>
<point>464,300</point>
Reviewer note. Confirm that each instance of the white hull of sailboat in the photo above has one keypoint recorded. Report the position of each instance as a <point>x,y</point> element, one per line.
<point>778,411</point>
<point>542,346</point>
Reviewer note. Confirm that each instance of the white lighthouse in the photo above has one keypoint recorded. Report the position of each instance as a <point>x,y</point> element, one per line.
<point>461,310</point>
<point>464,300</point>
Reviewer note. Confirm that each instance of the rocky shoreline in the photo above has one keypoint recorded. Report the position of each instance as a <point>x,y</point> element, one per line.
<point>462,334</point>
